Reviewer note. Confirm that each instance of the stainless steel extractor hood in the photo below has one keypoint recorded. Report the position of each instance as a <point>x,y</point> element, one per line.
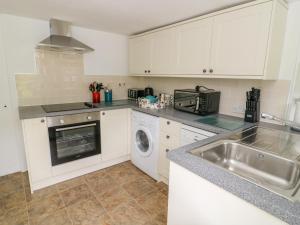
<point>61,39</point>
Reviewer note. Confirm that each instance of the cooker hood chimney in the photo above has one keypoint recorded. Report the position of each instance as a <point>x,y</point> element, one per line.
<point>61,39</point>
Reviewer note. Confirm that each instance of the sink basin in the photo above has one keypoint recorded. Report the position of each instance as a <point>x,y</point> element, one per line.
<point>263,168</point>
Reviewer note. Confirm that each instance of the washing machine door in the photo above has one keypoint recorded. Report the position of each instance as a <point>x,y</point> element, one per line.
<point>143,141</point>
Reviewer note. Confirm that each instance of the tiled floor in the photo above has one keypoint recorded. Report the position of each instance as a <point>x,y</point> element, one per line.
<point>118,195</point>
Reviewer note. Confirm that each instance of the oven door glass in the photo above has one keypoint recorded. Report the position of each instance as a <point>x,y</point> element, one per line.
<point>76,141</point>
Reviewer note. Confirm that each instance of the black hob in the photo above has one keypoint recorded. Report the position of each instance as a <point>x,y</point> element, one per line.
<point>67,107</point>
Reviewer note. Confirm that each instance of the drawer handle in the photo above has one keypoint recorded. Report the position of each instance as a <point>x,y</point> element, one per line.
<point>42,121</point>
<point>103,113</point>
<point>167,150</point>
<point>168,122</point>
<point>168,137</point>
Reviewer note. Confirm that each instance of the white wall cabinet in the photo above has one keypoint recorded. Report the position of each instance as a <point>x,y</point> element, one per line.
<point>193,46</point>
<point>163,57</point>
<point>244,41</point>
<point>240,41</point>
<point>169,139</point>
<point>114,133</point>
<point>140,55</point>
<point>37,149</point>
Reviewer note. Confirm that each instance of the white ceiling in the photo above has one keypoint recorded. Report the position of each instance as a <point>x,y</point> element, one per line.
<point>119,16</point>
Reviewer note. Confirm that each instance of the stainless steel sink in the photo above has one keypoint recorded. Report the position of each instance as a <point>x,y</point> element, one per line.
<point>264,168</point>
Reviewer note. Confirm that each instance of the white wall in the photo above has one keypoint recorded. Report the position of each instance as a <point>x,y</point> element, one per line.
<point>20,36</point>
<point>110,55</point>
<point>290,68</point>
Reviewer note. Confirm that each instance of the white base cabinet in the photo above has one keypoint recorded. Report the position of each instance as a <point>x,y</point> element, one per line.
<point>37,148</point>
<point>194,200</point>
<point>115,133</point>
<point>169,139</point>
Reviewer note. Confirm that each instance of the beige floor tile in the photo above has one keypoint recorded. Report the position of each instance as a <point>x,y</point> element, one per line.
<point>43,207</point>
<point>119,195</point>
<point>59,217</point>
<point>76,194</point>
<point>161,218</point>
<point>163,188</point>
<point>12,200</point>
<point>153,203</point>
<point>42,193</point>
<point>15,216</point>
<point>114,198</point>
<point>26,179</point>
<point>96,220</point>
<point>63,186</point>
<point>130,214</point>
<point>139,187</point>
<point>84,210</point>
<point>101,184</point>
<point>122,174</point>
<point>98,173</point>
<point>10,186</point>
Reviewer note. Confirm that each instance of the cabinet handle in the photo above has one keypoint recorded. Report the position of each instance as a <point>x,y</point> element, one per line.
<point>145,71</point>
<point>204,70</point>
<point>168,122</point>
<point>167,150</point>
<point>211,70</point>
<point>148,71</point>
<point>42,121</point>
<point>168,137</point>
<point>103,113</point>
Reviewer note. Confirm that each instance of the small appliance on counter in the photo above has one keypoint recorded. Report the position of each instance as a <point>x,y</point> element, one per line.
<point>252,113</point>
<point>135,93</point>
<point>201,100</point>
<point>149,91</point>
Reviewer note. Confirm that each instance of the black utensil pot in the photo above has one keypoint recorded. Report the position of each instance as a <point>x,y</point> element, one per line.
<point>148,91</point>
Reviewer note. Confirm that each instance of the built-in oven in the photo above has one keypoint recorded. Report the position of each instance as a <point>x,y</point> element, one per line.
<point>74,136</point>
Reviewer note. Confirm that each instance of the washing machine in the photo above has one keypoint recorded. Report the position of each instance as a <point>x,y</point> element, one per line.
<point>145,143</point>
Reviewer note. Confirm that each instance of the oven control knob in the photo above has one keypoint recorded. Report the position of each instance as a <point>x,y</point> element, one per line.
<point>61,121</point>
<point>89,118</point>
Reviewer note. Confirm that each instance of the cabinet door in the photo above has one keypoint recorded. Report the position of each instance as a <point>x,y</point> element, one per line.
<point>193,46</point>
<point>163,58</point>
<point>169,140</point>
<point>139,54</point>
<point>37,149</point>
<point>114,133</point>
<point>240,40</point>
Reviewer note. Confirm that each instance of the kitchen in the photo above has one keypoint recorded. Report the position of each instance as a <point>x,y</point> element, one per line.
<point>118,117</point>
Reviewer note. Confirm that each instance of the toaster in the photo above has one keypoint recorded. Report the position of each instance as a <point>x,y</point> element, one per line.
<point>135,93</point>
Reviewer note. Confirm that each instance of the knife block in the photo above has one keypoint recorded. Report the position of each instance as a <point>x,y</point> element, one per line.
<point>252,113</point>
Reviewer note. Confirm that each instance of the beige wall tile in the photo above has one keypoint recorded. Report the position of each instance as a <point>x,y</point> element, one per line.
<point>61,79</point>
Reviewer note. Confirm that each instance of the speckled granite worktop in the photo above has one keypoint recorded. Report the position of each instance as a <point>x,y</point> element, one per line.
<point>29,112</point>
<point>272,203</point>
<point>268,201</point>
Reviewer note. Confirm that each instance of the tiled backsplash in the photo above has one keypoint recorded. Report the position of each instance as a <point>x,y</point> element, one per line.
<point>60,79</point>
<point>274,94</point>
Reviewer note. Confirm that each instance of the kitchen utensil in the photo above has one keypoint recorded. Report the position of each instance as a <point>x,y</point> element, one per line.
<point>252,112</point>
